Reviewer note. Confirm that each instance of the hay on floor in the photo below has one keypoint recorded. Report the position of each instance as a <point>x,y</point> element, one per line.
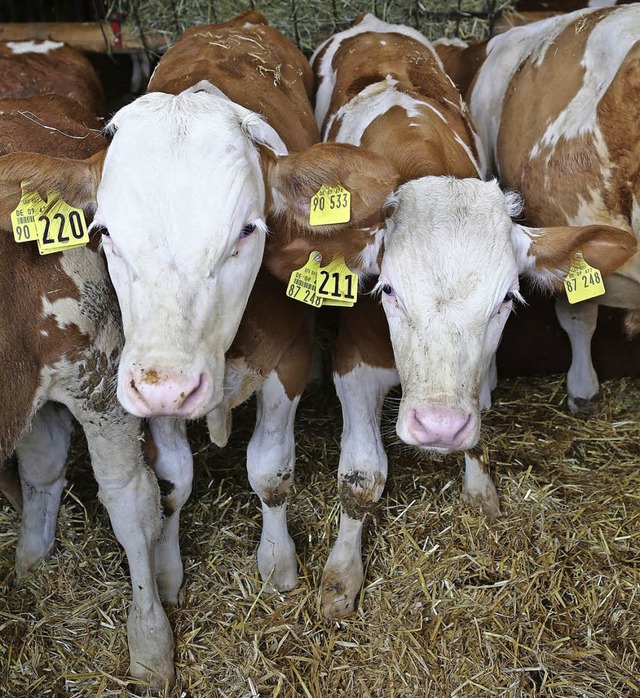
<point>543,602</point>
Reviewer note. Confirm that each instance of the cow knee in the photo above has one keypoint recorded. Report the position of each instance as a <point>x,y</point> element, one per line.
<point>359,490</point>
<point>273,488</point>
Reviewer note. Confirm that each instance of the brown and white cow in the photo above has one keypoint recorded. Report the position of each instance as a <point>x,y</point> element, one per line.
<point>554,105</point>
<point>447,262</point>
<point>183,194</point>
<point>59,354</point>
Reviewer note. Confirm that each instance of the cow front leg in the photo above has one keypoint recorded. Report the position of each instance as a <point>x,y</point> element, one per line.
<point>478,488</point>
<point>579,322</point>
<point>42,460</point>
<point>362,474</point>
<point>129,491</point>
<point>270,466</point>
<point>174,469</point>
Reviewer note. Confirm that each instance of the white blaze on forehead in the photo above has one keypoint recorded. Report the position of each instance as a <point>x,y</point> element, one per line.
<point>180,178</point>
<point>325,71</point>
<point>449,247</point>
<point>19,47</point>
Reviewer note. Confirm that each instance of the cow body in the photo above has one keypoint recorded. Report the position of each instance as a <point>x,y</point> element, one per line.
<point>560,126</point>
<point>59,356</point>
<point>447,261</point>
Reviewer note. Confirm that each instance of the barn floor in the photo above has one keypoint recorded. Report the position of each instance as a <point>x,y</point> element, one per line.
<point>543,602</point>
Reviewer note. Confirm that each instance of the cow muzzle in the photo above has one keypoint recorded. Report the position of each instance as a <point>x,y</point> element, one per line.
<point>440,428</point>
<point>170,393</point>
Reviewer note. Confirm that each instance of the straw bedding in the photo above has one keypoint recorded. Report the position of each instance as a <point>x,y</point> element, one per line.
<point>543,602</point>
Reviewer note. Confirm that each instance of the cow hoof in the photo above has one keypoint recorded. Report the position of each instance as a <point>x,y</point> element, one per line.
<point>277,565</point>
<point>583,407</point>
<point>487,502</point>
<point>168,588</point>
<point>339,591</point>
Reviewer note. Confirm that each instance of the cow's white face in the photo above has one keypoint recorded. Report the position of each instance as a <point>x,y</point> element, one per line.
<point>448,279</point>
<point>182,201</point>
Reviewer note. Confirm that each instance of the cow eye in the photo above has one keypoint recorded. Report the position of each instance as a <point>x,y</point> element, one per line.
<point>387,290</point>
<point>103,230</point>
<point>247,230</point>
<point>511,296</point>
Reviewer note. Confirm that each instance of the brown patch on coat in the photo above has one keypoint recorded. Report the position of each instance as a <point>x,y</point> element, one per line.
<point>416,151</point>
<point>62,71</point>
<point>363,337</point>
<point>461,63</point>
<point>254,65</point>
<point>536,97</point>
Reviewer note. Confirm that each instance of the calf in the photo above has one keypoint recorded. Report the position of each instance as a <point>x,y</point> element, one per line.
<point>447,264</point>
<point>183,194</point>
<point>560,126</point>
<point>61,343</point>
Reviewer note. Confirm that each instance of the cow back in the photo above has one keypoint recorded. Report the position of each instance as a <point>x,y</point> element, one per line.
<point>254,65</point>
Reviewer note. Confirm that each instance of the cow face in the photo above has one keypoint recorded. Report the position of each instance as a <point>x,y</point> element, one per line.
<point>448,280</point>
<point>181,206</point>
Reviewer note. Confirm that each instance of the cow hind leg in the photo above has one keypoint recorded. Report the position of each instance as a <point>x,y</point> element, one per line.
<point>362,474</point>
<point>270,466</point>
<point>174,469</point>
<point>579,322</point>
<point>42,458</point>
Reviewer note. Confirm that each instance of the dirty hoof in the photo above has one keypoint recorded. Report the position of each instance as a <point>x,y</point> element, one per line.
<point>340,588</point>
<point>583,407</point>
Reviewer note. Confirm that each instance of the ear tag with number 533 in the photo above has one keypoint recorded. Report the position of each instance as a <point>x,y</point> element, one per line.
<point>583,281</point>
<point>330,205</point>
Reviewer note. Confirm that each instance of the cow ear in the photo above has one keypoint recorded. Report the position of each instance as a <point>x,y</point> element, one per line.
<point>76,180</point>
<point>292,182</point>
<point>545,254</point>
<point>295,179</point>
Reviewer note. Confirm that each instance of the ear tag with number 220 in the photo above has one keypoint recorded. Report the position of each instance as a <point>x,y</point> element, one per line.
<point>64,228</point>
<point>330,205</point>
<point>583,281</point>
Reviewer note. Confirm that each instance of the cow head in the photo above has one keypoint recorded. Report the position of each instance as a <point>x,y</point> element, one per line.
<point>451,256</point>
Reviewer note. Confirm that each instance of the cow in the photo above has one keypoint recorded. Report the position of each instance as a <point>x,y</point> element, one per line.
<point>445,261</point>
<point>195,170</point>
<point>560,126</point>
<point>61,341</point>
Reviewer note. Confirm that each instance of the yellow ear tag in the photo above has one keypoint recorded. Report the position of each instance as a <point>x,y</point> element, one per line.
<point>24,218</point>
<point>64,228</point>
<point>330,205</point>
<point>303,282</point>
<point>337,284</point>
<point>583,281</point>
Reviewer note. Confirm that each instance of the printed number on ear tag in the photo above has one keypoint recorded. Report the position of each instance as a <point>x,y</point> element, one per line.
<point>64,228</point>
<point>303,282</point>
<point>337,284</point>
<point>583,281</point>
<point>24,218</point>
<point>330,205</point>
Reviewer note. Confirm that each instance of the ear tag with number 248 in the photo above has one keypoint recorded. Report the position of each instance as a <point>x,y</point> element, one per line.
<point>583,281</point>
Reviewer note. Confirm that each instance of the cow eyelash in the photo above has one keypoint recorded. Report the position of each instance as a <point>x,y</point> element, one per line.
<point>103,230</point>
<point>247,230</point>
<point>387,290</point>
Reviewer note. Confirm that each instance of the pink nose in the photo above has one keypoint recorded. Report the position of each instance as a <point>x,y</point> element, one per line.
<point>166,393</point>
<point>440,426</point>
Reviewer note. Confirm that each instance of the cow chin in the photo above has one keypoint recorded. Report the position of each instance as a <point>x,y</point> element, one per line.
<point>185,393</point>
<point>439,428</point>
